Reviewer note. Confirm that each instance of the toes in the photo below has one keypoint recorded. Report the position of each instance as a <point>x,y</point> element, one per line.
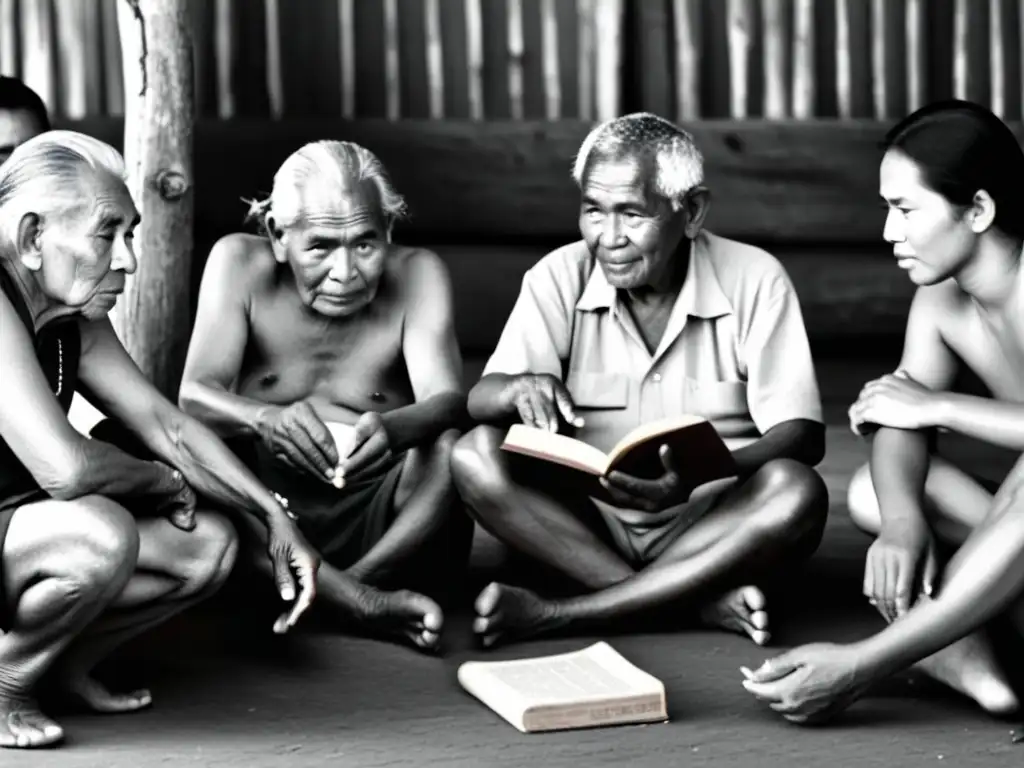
<point>754,598</point>
<point>759,619</point>
<point>487,600</point>
<point>482,624</point>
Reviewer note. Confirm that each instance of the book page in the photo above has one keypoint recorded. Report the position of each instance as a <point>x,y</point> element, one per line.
<point>551,445</point>
<point>652,429</point>
<point>569,678</point>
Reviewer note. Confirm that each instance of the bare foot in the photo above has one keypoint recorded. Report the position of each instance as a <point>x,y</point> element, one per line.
<point>99,698</point>
<point>969,667</point>
<point>408,614</point>
<point>23,726</point>
<point>742,610</point>
<point>505,614</point>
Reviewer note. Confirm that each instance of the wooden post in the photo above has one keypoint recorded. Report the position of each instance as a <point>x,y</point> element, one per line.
<point>844,81</point>
<point>8,38</point>
<point>803,59</point>
<point>585,68</point>
<point>475,58</point>
<point>774,70</point>
<point>997,61</point>
<point>516,49</point>
<point>152,318</point>
<point>915,56</point>
<point>275,78</point>
<point>78,35</point>
<point>224,51</point>
<point>549,54</point>
<point>435,58</point>
<point>740,32</point>
<point>608,21</point>
<point>960,49</point>
<point>687,33</point>
<point>879,86</point>
<point>347,54</point>
<point>37,51</point>
<point>392,76</point>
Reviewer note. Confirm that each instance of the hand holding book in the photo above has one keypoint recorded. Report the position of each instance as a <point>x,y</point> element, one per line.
<point>630,492</point>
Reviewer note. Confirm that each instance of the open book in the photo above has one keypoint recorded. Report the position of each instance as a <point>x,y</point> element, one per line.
<point>583,689</point>
<point>697,450</point>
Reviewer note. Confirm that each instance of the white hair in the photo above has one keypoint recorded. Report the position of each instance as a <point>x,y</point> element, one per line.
<point>44,175</point>
<point>678,164</point>
<point>330,165</point>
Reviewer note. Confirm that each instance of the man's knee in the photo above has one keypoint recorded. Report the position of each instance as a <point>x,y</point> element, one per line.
<point>475,464</point>
<point>794,498</point>
<point>862,502</point>
<point>210,555</point>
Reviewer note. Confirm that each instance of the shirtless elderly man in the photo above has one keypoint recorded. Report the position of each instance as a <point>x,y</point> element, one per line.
<point>950,177</point>
<point>323,319</point>
<point>649,316</point>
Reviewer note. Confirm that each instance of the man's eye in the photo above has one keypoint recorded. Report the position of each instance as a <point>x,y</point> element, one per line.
<point>364,248</point>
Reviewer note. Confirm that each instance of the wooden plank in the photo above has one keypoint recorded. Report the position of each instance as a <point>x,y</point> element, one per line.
<point>787,181</point>
<point>78,29</point>
<point>226,50</point>
<point>997,57</point>
<point>456,68</point>
<point>686,17</point>
<point>803,59</point>
<point>550,64</point>
<point>347,57</point>
<point>568,55</point>
<point>585,69</point>
<point>535,58</point>
<point>652,57</point>
<point>9,38</point>
<point>412,60</point>
<point>435,58</point>
<point>37,51</point>
<point>960,72</point>
<point>740,34</point>
<point>274,75</point>
<point>879,73</point>
<point>252,96</point>
<point>497,102</point>
<point>392,81</point>
<point>201,14</point>
<point>774,59</point>
<point>916,61</point>
<point>371,79</point>
<point>516,51</point>
<point>844,65</point>
<point>475,58</point>
<point>608,42</point>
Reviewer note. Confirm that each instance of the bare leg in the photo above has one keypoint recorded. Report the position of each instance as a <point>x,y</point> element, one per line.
<point>755,524</point>
<point>175,570</point>
<point>956,505</point>
<point>64,562</point>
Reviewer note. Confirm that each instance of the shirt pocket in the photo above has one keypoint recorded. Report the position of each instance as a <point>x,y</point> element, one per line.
<point>602,399</point>
<point>717,401</point>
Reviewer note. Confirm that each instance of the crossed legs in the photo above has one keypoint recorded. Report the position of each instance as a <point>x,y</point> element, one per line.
<point>776,515</point>
<point>81,578</point>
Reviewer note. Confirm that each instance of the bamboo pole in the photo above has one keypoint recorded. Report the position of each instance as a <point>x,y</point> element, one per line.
<point>687,33</point>
<point>275,79</point>
<point>392,74</point>
<point>475,58</point>
<point>516,49</point>
<point>8,38</point>
<point>803,59</point>
<point>774,69</point>
<point>224,51</point>
<point>78,35</point>
<point>915,55</point>
<point>113,70</point>
<point>879,84</point>
<point>37,52</point>
<point>152,318</point>
<point>960,49</point>
<point>997,57</point>
<point>549,60</point>
<point>740,30</point>
<point>608,44</point>
<point>585,69</point>
<point>347,56</point>
<point>435,58</point>
<point>844,92</point>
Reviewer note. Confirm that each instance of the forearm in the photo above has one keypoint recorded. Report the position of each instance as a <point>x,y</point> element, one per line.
<point>985,576</point>
<point>488,401</point>
<point>993,421</point>
<point>801,440</point>
<point>899,465</point>
<point>226,413</point>
<point>424,421</point>
<point>105,470</point>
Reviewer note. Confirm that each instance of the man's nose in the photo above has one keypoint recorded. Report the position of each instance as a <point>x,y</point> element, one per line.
<point>341,268</point>
<point>611,232</point>
<point>124,257</point>
<point>893,229</point>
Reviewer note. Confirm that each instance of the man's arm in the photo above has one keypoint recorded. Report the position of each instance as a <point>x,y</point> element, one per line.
<point>66,464</point>
<point>218,345</point>
<point>432,357</point>
<point>997,422</point>
<point>115,385</point>
<point>799,439</point>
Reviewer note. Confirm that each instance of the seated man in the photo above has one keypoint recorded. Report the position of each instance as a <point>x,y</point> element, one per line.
<point>649,316</point>
<point>323,319</point>
<point>22,115</point>
<point>96,545</point>
<point>951,178</point>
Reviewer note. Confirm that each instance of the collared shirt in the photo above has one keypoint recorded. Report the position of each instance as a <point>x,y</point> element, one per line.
<point>735,349</point>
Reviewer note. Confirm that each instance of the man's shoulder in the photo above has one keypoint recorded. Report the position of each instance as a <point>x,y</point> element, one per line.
<point>568,266</point>
<point>416,270</point>
<point>247,260</point>
<point>940,301</point>
<point>743,268</point>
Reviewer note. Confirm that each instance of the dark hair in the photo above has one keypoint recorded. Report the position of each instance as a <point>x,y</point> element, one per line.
<point>14,94</point>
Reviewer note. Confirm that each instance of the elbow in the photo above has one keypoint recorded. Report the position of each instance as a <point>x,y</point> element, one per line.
<point>190,397</point>
<point>812,444</point>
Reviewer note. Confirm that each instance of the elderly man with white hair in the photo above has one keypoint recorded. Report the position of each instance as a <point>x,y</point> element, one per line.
<point>96,544</point>
<point>649,316</point>
<point>322,323</point>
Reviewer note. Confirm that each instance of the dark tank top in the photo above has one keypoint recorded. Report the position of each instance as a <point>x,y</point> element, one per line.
<point>58,347</point>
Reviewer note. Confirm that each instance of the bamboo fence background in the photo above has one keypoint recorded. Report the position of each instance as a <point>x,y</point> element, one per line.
<point>542,59</point>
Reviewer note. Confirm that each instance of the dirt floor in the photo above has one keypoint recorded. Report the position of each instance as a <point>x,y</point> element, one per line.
<point>228,693</point>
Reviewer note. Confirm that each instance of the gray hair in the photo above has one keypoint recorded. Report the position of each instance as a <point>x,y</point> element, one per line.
<point>44,175</point>
<point>678,164</point>
<point>334,164</point>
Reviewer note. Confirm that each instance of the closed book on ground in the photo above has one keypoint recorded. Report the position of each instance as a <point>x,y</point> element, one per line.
<point>589,688</point>
<point>698,451</point>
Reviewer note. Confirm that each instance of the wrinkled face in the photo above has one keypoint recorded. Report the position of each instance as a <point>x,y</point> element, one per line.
<point>82,254</point>
<point>931,238</point>
<point>16,127</point>
<point>631,231</point>
<point>338,250</point>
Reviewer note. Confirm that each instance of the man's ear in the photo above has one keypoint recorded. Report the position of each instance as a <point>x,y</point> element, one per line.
<point>30,250</point>
<point>695,207</point>
<point>276,235</point>
<point>982,211</point>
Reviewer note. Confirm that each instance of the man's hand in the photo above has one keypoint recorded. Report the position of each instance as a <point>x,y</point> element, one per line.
<point>631,492</point>
<point>371,449</point>
<point>294,561</point>
<point>542,401</point>
<point>900,564</point>
<point>295,435</point>
<point>895,400</point>
<point>809,684</point>
<point>176,500</point>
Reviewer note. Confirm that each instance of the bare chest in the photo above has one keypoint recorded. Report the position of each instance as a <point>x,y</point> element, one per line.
<point>994,349</point>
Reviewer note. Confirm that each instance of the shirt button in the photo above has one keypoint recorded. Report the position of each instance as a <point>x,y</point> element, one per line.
<point>656,377</point>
